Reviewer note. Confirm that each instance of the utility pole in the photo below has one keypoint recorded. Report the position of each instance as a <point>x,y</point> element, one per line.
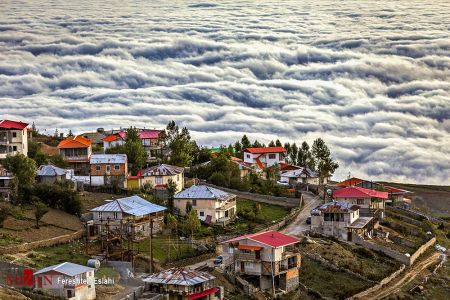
<point>150,244</point>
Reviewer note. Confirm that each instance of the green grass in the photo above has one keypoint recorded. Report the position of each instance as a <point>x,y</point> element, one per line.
<point>163,249</point>
<point>106,272</point>
<point>268,212</point>
<point>338,285</point>
<point>47,256</point>
<point>9,240</point>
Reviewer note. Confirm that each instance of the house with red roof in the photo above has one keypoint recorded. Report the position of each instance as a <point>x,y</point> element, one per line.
<point>270,258</point>
<point>150,140</point>
<point>263,157</point>
<point>13,138</point>
<point>371,202</point>
<point>76,151</point>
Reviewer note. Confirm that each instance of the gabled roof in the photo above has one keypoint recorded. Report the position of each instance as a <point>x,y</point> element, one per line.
<point>394,190</point>
<point>108,158</point>
<point>162,170</point>
<point>262,150</point>
<point>356,192</point>
<point>299,173</point>
<point>50,170</point>
<point>288,167</point>
<point>111,138</point>
<point>272,238</point>
<point>179,276</point>
<point>75,142</point>
<point>149,133</point>
<point>133,205</point>
<point>203,192</point>
<point>66,268</point>
<point>350,182</point>
<point>336,207</point>
<point>9,124</point>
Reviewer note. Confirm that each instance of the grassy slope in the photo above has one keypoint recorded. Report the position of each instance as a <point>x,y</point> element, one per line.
<point>268,212</point>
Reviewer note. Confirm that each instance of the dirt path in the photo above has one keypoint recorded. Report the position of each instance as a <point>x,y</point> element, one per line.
<point>298,226</point>
<point>405,278</point>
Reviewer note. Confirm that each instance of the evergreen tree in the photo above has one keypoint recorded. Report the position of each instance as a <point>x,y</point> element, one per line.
<point>278,143</point>
<point>133,148</point>
<point>24,169</point>
<point>70,134</point>
<point>305,158</point>
<point>245,142</point>
<point>325,164</point>
<point>272,144</point>
<point>171,189</point>
<point>256,144</point>
<point>293,154</point>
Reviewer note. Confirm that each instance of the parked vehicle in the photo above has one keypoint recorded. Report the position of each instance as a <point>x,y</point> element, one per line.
<point>281,182</point>
<point>218,260</point>
<point>308,220</point>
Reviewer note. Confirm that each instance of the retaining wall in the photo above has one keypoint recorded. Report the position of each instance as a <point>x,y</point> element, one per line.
<point>42,243</point>
<point>283,201</point>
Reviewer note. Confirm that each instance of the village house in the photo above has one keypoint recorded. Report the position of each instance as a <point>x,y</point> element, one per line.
<point>371,202</point>
<point>184,284</point>
<point>109,169</point>
<point>264,259</point>
<point>150,139</point>
<point>264,157</point>
<point>5,184</point>
<point>301,175</point>
<point>131,215</point>
<point>13,138</point>
<point>51,174</point>
<point>159,176</point>
<point>213,206</point>
<point>66,280</point>
<point>244,168</point>
<point>76,151</point>
<point>340,220</point>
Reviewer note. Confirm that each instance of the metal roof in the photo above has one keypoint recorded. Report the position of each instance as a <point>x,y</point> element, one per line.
<point>299,173</point>
<point>108,158</point>
<point>360,223</point>
<point>66,268</point>
<point>50,170</point>
<point>179,276</point>
<point>271,238</point>
<point>162,170</point>
<point>203,192</point>
<point>133,205</point>
<point>335,207</point>
<point>9,124</point>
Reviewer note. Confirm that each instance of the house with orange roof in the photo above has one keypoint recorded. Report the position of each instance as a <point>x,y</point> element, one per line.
<point>263,157</point>
<point>76,151</point>
<point>13,138</point>
<point>349,182</point>
<point>270,258</point>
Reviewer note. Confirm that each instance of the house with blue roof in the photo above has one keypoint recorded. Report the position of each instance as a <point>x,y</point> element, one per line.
<point>131,215</point>
<point>213,206</point>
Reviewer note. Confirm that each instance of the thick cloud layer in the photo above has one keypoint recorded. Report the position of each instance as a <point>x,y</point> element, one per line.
<point>370,77</point>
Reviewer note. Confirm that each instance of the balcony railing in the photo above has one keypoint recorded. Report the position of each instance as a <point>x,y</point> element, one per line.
<point>76,158</point>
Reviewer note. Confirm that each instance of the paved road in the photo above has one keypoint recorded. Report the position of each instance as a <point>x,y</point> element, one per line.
<point>298,226</point>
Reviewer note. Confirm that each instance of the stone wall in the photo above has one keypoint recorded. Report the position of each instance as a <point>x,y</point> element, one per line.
<point>283,201</point>
<point>42,243</point>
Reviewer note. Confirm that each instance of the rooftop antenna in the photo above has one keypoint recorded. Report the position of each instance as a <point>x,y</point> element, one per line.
<point>349,175</point>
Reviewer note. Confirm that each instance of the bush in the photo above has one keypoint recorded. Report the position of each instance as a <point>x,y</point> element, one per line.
<point>58,196</point>
<point>217,179</point>
<point>364,252</point>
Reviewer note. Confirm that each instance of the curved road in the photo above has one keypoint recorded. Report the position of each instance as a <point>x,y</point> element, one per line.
<point>298,226</point>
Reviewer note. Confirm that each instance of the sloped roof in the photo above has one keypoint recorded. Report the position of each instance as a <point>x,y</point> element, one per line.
<point>75,142</point>
<point>133,205</point>
<point>337,207</point>
<point>288,167</point>
<point>262,150</point>
<point>66,268</point>
<point>179,276</point>
<point>394,190</point>
<point>162,170</point>
<point>108,158</point>
<point>111,138</point>
<point>149,133</point>
<point>350,182</point>
<point>271,238</point>
<point>356,191</point>
<point>299,173</point>
<point>9,124</point>
<point>203,192</point>
<point>50,170</point>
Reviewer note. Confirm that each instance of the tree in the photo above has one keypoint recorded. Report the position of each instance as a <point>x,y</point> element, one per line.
<point>256,144</point>
<point>70,134</point>
<point>182,148</point>
<point>192,223</point>
<point>272,172</point>
<point>293,154</point>
<point>245,142</point>
<point>171,189</point>
<point>272,144</point>
<point>278,143</point>
<point>24,170</point>
<point>34,131</point>
<point>4,211</point>
<point>325,164</point>
<point>40,209</point>
<point>305,158</point>
<point>172,225</point>
<point>136,154</point>
<point>237,148</point>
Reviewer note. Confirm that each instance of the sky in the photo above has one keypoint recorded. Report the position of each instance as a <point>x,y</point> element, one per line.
<point>372,78</point>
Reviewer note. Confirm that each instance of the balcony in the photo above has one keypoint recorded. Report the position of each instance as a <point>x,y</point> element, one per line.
<point>76,158</point>
<point>227,205</point>
<point>247,256</point>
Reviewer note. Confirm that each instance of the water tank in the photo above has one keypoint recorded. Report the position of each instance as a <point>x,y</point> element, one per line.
<point>93,263</point>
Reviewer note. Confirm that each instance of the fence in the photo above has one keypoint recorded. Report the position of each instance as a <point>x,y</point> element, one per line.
<point>42,243</point>
<point>283,201</point>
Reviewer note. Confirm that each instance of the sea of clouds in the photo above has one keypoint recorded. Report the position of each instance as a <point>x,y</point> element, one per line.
<point>370,77</point>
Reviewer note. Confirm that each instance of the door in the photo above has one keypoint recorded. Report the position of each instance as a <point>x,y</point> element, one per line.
<point>69,294</point>
<point>349,236</point>
<point>242,267</point>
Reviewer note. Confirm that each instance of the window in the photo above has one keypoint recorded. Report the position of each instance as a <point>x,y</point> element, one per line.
<point>245,251</point>
<point>14,148</point>
<point>194,202</point>
<point>359,201</point>
<point>248,155</point>
<point>115,215</point>
<point>97,168</point>
<point>248,265</point>
<point>108,168</point>
<point>116,167</point>
<point>202,214</point>
<point>14,134</point>
<point>272,156</point>
<point>99,215</point>
<point>159,180</point>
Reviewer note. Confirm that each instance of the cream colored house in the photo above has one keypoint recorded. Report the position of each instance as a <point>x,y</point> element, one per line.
<point>160,175</point>
<point>13,138</point>
<point>213,206</point>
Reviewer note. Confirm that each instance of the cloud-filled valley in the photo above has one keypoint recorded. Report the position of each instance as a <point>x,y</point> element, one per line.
<point>372,79</point>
